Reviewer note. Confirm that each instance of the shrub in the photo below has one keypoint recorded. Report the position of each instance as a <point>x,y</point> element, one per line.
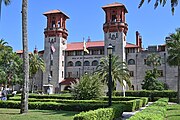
<point>88,87</point>
<point>156,111</point>
<point>101,114</point>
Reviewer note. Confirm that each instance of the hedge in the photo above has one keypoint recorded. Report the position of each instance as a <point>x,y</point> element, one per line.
<point>101,114</point>
<point>54,106</point>
<point>156,111</point>
<point>148,93</point>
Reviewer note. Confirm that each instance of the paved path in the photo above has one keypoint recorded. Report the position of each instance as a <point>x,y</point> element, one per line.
<point>127,115</point>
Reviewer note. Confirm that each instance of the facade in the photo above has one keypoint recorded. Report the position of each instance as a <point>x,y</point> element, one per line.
<point>67,61</point>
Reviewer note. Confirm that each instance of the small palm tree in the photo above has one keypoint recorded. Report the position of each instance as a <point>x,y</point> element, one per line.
<point>119,71</point>
<point>173,47</point>
<point>35,64</point>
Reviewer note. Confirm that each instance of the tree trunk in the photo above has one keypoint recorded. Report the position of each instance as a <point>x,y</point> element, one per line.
<point>25,90</point>
<point>178,85</point>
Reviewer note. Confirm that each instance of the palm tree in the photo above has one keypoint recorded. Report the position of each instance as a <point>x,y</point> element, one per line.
<point>35,63</point>
<point>153,60</point>
<point>119,72</point>
<point>25,91</point>
<point>174,3</point>
<point>173,47</point>
<point>6,2</point>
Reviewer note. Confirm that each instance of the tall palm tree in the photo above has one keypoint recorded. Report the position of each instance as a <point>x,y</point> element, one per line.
<point>6,2</point>
<point>35,63</point>
<point>25,91</point>
<point>173,47</point>
<point>174,3</point>
<point>119,71</point>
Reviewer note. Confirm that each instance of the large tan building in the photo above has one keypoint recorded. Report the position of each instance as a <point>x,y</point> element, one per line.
<point>68,61</point>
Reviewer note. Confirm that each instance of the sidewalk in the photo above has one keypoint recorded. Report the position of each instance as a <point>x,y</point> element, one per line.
<point>127,115</point>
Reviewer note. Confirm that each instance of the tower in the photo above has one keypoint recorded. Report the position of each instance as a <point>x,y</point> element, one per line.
<point>55,43</point>
<point>115,28</point>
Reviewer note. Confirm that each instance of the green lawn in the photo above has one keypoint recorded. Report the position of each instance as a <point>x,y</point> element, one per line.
<point>13,114</point>
<point>173,112</point>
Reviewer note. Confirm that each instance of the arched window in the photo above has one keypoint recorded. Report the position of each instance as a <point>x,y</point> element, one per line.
<point>131,62</point>
<point>94,63</point>
<point>78,63</point>
<point>70,63</point>
<point>86,63</point>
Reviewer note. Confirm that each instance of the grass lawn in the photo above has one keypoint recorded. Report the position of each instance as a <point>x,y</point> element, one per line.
<point>173,112</point>
<point>13,114</point>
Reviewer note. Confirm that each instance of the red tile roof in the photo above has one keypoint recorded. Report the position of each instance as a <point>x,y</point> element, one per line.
<point>79,45</point>
<point>116,4</point>
<point>19,51</point>
<point>54,12</point>
<point>130,45</point>
<point>68,81</point>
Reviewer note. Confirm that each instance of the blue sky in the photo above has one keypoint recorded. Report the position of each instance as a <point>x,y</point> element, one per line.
<point>86,19</point>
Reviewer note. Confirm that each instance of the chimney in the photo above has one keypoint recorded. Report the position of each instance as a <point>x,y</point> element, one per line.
<point>89,39</point>
<point>137,38</point>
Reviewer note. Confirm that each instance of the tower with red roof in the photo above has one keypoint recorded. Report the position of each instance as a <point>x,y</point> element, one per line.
<point>115,28</point>
<point>55,43</point>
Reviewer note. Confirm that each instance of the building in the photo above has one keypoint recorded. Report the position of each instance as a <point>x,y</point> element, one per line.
<point>67,61</point>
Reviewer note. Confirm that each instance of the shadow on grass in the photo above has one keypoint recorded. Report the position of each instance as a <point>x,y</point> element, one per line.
<point>53,112</point>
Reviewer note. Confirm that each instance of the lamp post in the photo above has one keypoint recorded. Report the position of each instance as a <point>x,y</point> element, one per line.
<point>109,51</point>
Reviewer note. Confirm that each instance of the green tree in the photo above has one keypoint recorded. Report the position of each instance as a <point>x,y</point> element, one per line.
<point>6,2</point>
<point>25,90</point>
<point>174,3</point>
<point>35,64</point>
<point>88,87</point>
<point>119,71</point>
<point>173,47</point>
<point>151,81</point>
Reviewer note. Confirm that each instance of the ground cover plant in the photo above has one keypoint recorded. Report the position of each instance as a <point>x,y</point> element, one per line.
<point>173,112</point>
<point>13,114</point>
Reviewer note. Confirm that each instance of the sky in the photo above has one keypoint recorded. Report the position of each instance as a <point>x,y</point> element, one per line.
<point>86,19</point>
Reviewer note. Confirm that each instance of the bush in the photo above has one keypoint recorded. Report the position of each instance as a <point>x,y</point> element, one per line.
<point>101,114</point>
<point>88,87</point>
<point>156,111</point>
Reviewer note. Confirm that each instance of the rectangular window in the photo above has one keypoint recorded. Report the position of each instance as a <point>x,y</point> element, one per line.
<point>95,52</point>
<point>78,52</point>
<point>62,74</point>
<point>62,63</point>
<point>70,53</point>
<point>102,52</point>
<point>51,62</point>
<point>131,73</point>
<point>51,72</point>
<point>145,61</point>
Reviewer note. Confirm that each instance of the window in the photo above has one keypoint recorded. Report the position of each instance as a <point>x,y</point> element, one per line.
<point>70,63</point>
<point>53,24</point>
<point>95,52</point>
<point>70,53</point>
<point>78,63</point>
<point>145,61</point>
<point>102,52</point>
<point>51,62</point>
<point>113,18</point>
<point>62,74</point>
<point>78,52</point>
<point>160,73</point>
<point>59,24</point>
<point>62,63</point>
<point>131,73</point>
<point>51,73</point>
<point>86,63</point>
<point>131,62</point>
<point>94,63</point>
